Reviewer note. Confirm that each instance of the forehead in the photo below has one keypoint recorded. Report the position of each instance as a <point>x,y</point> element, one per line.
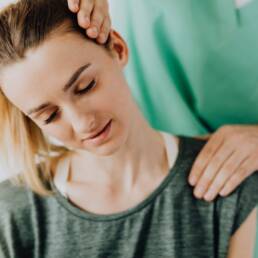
<point>33,79</point>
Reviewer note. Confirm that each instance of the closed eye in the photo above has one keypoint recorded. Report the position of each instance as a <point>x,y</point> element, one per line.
<point>91,85</point>
<point>86,89</point>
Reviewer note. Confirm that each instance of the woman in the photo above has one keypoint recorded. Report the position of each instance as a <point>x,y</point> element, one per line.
<point>117,187</point>
<point>203,53</point>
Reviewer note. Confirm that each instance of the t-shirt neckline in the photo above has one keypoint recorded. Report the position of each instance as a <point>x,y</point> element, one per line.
<point>83,214</point>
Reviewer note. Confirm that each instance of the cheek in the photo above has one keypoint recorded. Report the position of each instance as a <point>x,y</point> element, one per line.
<point>106,99</point>
<point>116,105</point>
<point>116,93</point>
<point>60,133</point>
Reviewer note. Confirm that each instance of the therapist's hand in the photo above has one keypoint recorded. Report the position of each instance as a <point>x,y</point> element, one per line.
<point>226,160</point>
<point>93,16</point>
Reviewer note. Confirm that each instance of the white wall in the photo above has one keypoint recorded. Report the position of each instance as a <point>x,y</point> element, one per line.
<point>4,2</point>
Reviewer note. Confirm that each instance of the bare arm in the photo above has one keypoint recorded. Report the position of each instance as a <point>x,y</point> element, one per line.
<point>242,243</point>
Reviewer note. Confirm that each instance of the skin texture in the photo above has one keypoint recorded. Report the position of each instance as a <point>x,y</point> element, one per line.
<point>228,158</point>
<point>93,15</point>
<point>132,146</point>
<point>243,241</point>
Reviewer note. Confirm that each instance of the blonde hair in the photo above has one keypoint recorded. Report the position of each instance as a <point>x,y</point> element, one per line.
<point>25,25</point>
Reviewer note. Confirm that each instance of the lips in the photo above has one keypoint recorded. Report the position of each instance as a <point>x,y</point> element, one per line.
<point>99,132</point>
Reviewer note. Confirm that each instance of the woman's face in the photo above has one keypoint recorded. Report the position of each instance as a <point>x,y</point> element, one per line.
<point>72,88</point>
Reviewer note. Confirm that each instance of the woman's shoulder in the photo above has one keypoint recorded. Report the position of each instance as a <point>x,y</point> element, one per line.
<point>13,197</point>
<point>236,207</point>
<point>230,211</point>
<point>17,198</point>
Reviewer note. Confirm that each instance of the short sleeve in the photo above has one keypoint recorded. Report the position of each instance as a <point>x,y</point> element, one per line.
<point>246,200</point>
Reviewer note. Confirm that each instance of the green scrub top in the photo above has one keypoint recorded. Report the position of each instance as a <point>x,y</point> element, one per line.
<point>193,64</point>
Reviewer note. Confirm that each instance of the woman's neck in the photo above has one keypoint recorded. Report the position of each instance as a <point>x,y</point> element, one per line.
<point>143,155</point>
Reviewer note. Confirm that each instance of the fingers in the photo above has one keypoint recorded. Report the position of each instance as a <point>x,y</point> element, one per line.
<point>204,157</point>
<point>226,171</point>
<point>104,31</point>
<point>227,159</point>
<point>247,167</point>
<point>97,18</point>
<point>74,5</point>
<point>215,164</point>
<point>93,15</point>
<point>84,14</point>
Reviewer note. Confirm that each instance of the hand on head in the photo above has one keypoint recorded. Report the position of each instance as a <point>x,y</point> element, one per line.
<point>93,15</point>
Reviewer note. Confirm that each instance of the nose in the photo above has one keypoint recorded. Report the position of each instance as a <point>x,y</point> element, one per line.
<point>83,123</point>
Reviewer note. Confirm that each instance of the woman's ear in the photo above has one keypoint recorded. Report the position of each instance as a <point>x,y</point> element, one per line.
<point>119,48</point>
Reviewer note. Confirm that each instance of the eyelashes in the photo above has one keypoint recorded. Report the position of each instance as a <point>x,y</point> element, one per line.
<point>90,86</point>
<point>52,116</point>
<point>86,89</point>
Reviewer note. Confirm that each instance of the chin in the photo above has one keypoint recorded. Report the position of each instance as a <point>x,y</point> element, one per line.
<point>109,148</point>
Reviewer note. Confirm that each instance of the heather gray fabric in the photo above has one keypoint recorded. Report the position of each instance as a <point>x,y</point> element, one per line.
<point>168,223</point>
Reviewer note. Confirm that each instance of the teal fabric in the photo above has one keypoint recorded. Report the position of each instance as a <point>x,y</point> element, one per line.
<point>197,59</point>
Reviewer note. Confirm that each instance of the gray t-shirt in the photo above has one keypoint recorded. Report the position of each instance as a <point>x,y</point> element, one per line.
<point>170,222</point>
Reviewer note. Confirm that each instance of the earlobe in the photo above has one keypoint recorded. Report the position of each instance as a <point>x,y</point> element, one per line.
<point>119,47</point>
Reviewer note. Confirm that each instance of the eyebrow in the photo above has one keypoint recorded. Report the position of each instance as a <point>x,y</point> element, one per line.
<point>68,85</point>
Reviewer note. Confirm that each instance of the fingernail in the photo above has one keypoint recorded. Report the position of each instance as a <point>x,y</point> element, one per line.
<point>198,192</point>
<point>93,31</point>
<point>76,4</point>
<point>102,37</point>
<point>192,180</point>
<point>208,196</point>
<point>223,192</point>
<point>86,21</point>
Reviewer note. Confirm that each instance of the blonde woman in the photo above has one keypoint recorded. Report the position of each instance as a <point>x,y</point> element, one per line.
<point>202,74</point>
<point>117,187</point>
